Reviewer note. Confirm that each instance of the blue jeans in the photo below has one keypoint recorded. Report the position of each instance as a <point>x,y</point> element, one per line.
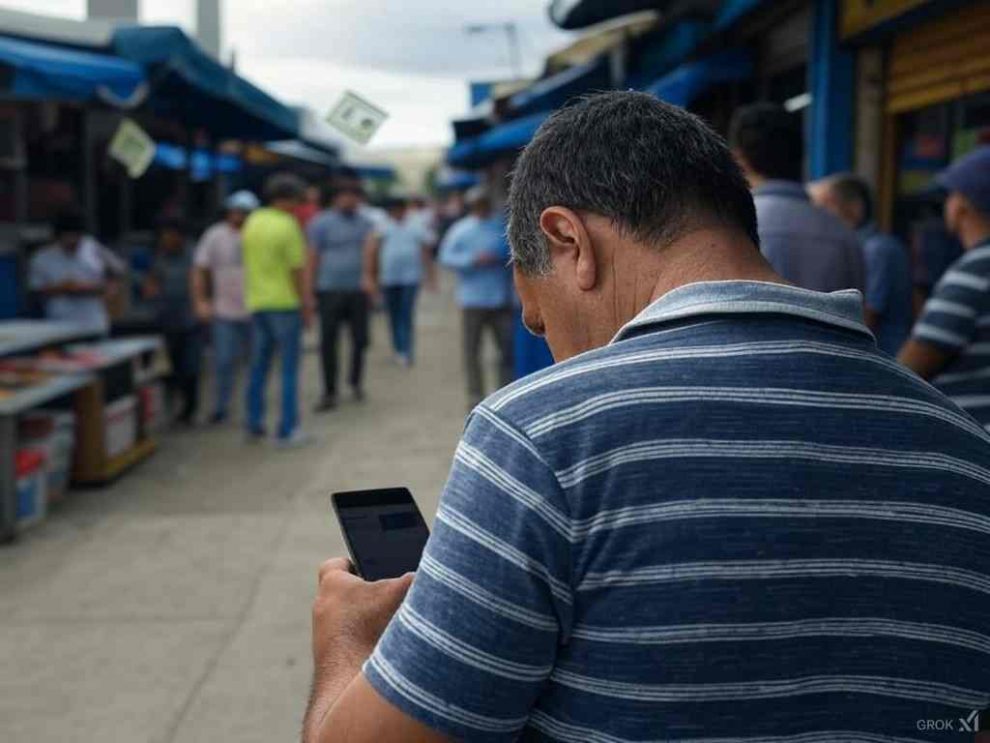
<point>231,340</point>
<point>400,300</point>
<point>273,331</point>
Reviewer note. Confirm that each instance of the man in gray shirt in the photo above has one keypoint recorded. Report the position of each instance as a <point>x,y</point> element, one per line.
<point>337,237</point>
<point>804,244</point>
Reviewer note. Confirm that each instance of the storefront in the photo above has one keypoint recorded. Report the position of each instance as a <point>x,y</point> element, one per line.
<point>934,102</point>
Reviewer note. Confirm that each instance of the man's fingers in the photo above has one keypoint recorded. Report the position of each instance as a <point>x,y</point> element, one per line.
<point>334,564</point>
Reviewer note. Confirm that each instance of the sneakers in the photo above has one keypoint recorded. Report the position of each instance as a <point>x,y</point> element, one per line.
<point>359,394</point>
<point>294,440</point>
<point>326,404</point>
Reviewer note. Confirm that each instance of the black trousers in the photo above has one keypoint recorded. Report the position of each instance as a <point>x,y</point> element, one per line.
<point>339,308</point>
<point>185,351</point>
<point>498,321</point>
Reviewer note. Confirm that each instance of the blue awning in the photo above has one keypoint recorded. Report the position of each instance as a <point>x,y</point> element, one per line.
<point>574,14</point>
<point>191,86</point>
<point>374,172</point>
<point>506,137</point>
<point>733,10</point>
<point>204,164</point>
<point>39,70</point>
<point>554,91</point>
<point>691,79</point>
<point>660,53</point>
<point>456,180</point>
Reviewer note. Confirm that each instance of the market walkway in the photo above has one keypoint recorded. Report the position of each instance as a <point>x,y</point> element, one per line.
<point>174,606</point>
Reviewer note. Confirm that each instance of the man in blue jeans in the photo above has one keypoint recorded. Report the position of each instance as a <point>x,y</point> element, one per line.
<point>276,292</point>
<point>218,295</point>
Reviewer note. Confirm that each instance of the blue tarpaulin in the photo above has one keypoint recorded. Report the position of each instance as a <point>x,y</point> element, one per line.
<point>39,70</point>
<point>205,164</point>
<point>512,135</point>
<point>681,86</point>
<point>191,86</point>
<point>554,91</point>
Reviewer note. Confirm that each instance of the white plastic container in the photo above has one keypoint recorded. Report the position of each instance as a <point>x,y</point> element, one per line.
<point>120,426</point>
<point>32,498</point>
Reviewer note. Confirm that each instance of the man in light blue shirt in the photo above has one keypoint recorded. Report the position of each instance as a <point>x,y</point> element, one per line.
<point>399,258</point>
<point>476,249</point>
<point>804,244</point>
<point>888,312</point>
<point>71,275</point>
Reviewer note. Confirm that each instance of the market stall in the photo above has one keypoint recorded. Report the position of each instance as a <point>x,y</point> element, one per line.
<point>71,407</point>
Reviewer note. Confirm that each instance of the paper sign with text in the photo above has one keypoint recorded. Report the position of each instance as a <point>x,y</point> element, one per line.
<point>356,117</point>
<point>133,148</point>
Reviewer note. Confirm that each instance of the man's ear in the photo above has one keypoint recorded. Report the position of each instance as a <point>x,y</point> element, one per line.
<point>568,239</point>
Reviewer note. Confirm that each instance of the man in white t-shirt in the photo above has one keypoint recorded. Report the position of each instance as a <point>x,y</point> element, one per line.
<point>73,274</point>
<point>218,294</point>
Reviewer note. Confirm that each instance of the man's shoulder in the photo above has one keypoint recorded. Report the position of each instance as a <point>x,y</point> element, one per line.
<point>601,371</point>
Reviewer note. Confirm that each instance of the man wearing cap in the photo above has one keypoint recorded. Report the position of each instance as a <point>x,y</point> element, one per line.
<point>476,249</point>
<point>950,343</point>
<point>218,294</point>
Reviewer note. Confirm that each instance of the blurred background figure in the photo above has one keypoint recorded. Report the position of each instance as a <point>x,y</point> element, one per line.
<point>337,238</point>
<point>73,275</point>
<point>888,312</point>
<point>277,295</point>
<point>168,287</point>
<point>475,248</point>
<point>399,260</point>
<point>804,244</point>
<point>950,340</point>
<point>218,295</point>
<point>310,205</point>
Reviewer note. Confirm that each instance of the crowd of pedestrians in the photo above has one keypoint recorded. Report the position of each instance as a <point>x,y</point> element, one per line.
<point>264,273</point>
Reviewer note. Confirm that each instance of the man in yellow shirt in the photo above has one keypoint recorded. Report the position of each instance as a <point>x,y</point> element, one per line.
<point>276,293</point>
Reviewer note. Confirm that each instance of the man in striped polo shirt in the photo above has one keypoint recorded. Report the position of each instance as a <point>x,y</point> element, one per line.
<point>950,343</point>
<point>724,515</point>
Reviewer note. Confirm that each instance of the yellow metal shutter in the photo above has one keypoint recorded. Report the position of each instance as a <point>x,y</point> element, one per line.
<point>942,60</point>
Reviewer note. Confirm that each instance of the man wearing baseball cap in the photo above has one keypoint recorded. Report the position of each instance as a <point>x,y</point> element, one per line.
<point>218,294</point>
<point>950,343</point>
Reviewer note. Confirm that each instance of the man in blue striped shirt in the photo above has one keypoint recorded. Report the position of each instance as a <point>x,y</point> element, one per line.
<point>724,515</point>
<point>950,343</point>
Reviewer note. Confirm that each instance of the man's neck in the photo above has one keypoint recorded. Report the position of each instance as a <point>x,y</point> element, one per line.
<point>710,255</point>
<point>975,236</point>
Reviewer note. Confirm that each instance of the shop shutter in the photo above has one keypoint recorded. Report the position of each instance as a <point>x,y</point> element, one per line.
<point>941,60</point>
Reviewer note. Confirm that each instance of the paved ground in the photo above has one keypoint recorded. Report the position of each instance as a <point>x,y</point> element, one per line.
<point>174,605</point>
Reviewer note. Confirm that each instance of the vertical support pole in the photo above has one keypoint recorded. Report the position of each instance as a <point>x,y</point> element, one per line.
<point>832,83</point>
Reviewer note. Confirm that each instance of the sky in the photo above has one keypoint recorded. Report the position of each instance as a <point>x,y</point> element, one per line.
<point>412,58</point>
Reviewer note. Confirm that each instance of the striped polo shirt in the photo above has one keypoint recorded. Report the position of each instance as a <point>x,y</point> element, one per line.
<point>739,521</point>
<point>956,319</point>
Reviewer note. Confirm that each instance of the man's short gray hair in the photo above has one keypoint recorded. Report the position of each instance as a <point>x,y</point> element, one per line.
<point>655,170</point>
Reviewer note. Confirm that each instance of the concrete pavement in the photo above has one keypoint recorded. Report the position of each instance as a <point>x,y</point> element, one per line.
<point>174,605</point>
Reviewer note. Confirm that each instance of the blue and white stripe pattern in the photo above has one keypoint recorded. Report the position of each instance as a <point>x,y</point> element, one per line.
<point>956,319</point>
<point>738,522</point>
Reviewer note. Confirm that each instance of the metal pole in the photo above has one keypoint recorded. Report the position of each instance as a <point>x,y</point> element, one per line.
<point>8,477</point>
<point>515,59</point>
